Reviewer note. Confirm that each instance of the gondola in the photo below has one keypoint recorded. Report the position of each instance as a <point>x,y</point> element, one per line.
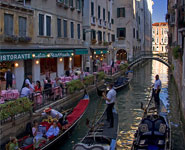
<point>72,118</point>
<point>100,136</point>
<point>120,83</point>
<point>154,132</point>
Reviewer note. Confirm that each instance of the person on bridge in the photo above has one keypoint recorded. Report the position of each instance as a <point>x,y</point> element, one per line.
<point>156,90</point>
<point>110,101</point>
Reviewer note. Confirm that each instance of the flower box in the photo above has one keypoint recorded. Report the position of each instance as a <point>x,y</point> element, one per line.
<point>25,39</point>
<point>10,38</point>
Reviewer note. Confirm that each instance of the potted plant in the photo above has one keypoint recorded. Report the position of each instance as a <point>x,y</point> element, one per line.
<point>93,41</point>
<point>105,43</point>
<point>25,39</point>
<point>11,38</point>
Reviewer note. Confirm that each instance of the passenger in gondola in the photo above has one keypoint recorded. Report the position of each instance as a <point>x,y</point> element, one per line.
<point>110,101</point>
<point>156,90</point>
<point>38,136</point>
<point>54,114</point>
<point>53,130</point>
<point>13,145</point>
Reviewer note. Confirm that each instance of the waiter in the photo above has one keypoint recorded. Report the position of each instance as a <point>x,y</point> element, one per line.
<point>110,100</point>
<point>156,90</point>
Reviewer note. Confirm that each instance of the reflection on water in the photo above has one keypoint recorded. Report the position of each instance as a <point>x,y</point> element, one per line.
<point>128,105</point>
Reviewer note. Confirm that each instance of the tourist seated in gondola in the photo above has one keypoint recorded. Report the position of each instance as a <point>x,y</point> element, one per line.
<point>13,144</point>
<point>53,130</point>
<point>37,134</point>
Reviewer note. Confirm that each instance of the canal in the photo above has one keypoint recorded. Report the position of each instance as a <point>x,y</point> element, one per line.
<point>128,107</point>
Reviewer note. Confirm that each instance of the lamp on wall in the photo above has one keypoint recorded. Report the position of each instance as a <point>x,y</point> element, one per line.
<point>33,55</point>
<point>90,56</point>
<point>37,62</point>
<point>48,55</point>
<point>70,58</point>
<point>16,64</point>
<point>60,59</point>
<point>72,54</point>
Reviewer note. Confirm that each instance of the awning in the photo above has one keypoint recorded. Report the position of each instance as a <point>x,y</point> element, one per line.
<point>11,55</point>
<point>98,52</point>
<point>81,51</point>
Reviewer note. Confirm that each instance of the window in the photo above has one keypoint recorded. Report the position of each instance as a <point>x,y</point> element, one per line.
<point>65,28</point>
<point>162,48</point>
<point>104,14</point>
<point>108,37</point>
<point>157,40</point>
<point>157,31</point>
<point>113,38</point>
<point>8,24</point>
<point>109,17</point>
<point>162,31</point>
<point>22,26</point>
<point>121,32</point>
<point>48,25</point>
<point>161,40</point>
<point>78,4</point>
<point>104,37</point>
<point>120,12</point>
<point>72,30</point>
<point>41,24</point>
<point>99,12</point>
<point>59,27</point>
<point>153,30</point>
<point>66,2</point>
<point>92,9</point>
<point>78,30</point>
<point>71,3</point>
<point>84,35</point>
<point>134,33</point>
<point>99,36</point>
<point>93,35</point>
<point>112,21</point>
<point>137,34</point>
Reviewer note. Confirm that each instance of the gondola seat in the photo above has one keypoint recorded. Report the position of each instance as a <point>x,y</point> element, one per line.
<point>159,127</point>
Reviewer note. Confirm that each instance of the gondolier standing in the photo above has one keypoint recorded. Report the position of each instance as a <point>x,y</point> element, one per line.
<point>110,101</point>
<point>156,90</point>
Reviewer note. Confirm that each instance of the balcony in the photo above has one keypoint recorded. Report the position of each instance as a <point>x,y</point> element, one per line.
<point>93,20</point>
<point>105,24</point>
<point>99,22</point>
<point>171,20</point>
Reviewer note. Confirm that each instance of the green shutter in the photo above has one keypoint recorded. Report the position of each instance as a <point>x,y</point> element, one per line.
<point>118,12</point>
<point>123,12</point>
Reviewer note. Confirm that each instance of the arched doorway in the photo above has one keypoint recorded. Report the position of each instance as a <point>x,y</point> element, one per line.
<point>121,55</point>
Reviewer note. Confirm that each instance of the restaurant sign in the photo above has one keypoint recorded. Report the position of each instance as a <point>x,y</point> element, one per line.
<point>11,57</point>
<point>24,56</point>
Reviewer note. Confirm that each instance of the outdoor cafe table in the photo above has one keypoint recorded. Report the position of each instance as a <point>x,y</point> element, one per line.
<point>9,94</point>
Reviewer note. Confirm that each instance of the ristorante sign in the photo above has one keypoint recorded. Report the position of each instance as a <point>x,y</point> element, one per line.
<point>12,57</point>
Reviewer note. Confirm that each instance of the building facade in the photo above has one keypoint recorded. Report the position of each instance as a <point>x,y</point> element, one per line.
<point>40,38</point>
<point>133,25</point>
<point>98,30</point>
<point>160,37</point>
<point>176,42</point>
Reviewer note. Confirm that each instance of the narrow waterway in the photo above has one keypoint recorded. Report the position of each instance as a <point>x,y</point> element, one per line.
<point>128,106</point>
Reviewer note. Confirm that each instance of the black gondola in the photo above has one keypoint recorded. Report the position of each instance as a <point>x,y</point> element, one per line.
<point>120,83</point>
<point>100,137</point>
<point>154,132</point>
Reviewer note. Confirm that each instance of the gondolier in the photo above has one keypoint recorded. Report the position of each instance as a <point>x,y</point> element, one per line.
<point>54,114</point>
<point>156,90</point>
<point>110,101</point>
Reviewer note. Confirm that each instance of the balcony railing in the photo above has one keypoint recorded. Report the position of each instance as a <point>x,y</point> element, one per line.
<point>99,22</point>
<point>93,20</point>
<point>109,26</point>
<point>105,24</point>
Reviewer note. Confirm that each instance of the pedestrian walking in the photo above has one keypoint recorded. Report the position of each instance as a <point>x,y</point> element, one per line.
<point>156,90</point>
<point>110,101</point>
<point>9,76</point>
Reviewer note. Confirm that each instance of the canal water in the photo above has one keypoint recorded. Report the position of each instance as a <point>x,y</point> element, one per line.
<point>128,107</point>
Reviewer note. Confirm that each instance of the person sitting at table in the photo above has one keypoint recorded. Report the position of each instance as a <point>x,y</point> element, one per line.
<point>13,144</point>
<point>27,80</point>
<point>25,92</point>
<point>38,136</point>
<point>38,87</point>
<point>68,73</point>
<point>81,76</point>
<point>48,88</point>
<point>75,76</point>
<point>54,114</point>
<point>53,130</point>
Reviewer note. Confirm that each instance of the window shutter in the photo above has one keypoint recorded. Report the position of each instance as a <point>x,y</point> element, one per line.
<point>41,24</point>
<point>72,30</point>
<point>123,12</point>
<point>59,27</point>
<point>92,9</point>
<point>118,12</point>
<point>78,28</point>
